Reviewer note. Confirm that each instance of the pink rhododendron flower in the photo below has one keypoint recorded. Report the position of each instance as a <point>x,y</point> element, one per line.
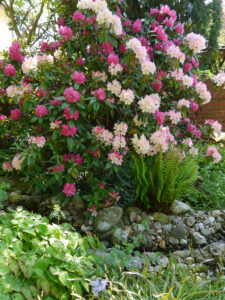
<point>7,166</point>
<point>80,61</point>
<point>137,26</point>
<point>56,102</point>
<point>107,47</point>
<point>196,42</point>
<point>69,189</point>
<point>61,21</point>
<point>15,52</point>
<point>78,16</point>
<point>44,46</point>
<point>215,125</point>
<point>39,141</point>
<point>56,124</point>
<point>15,114</point>
<point>127,23</point>
<point>179,28</point>
<point>157,85</point>
<point>161,35</point>
<point>113,59</point>
<point>71,95</point>
<point>66,32</point>
<point>153,11</point>
<point>2,117</point>
<point>68,116</point>
<point>67,131</point>
<point>10,70</point>
<point>194,106</point>
<point>41,111</point>
<point>212,151</point>
<point>17,161</point>
<point>160,116</point>
<point>100,94</point>
<point>60,168</point>
<point>175,117</point>
<point>116,158</point>
<point>78,77</point>
<point>102,185</point>
<point>187,67</point>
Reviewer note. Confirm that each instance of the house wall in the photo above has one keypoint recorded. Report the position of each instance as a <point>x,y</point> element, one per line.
<point>6,35</point>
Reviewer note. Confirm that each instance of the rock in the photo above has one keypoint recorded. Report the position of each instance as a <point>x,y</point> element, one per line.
<point>216,213</point>
<point>157,226</point>
<point>78,221</point>
<point>199,226</point>
<point>120,235</point>
<point>145,240</point>
<point>211,220</point>
<point>189,260</point>
<point>161,218</point>
<point>206,232</point>
<point>168,227</point>
<point>179,207</point>
<point>126,221</point>
<point>138,219</point>
<point>173,241</point>
<point>199,239</point>
<point>178,232</point>
<point>163,262</point>
<point>107,218</point>
<point>182,253</point>
<point>132,213</point>
<point>86,228</point>
<point>135,262</point>
<point>183,242</point>
<point>162,245</point>
<point>218,226</point>
<point>190,221</point>
<point>77,204</point>
<point>216,249</point>
<point>16,197</point>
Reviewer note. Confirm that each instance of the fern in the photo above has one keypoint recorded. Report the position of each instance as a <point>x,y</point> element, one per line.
<point>162,179</point>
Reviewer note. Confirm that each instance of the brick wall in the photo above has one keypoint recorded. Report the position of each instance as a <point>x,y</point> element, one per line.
<point>215,109</point>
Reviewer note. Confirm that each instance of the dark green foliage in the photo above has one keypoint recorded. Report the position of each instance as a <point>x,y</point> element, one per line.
<point>163,180</point>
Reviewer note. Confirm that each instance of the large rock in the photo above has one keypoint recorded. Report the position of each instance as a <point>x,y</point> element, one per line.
<point>121,235</point>
<point>179,207</point>
<point>161,218</point>
<point>178,232</point>
<point>107,218</point>
<point>199,239</point>
<point>132,213</point>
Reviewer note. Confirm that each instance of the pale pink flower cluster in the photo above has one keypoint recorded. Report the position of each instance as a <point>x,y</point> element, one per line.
<point>101,76</point>
<point>127,96</point>
<point>215,125</point>
<point>58,54</point>
<point>39,141</point>
<point>175,52</point>
<point>114,87</point>
<point>118,142</point>
<point>219,79</point>
<point>29,64</point>
<point>7,166</point>
<point>177,74</point>
<point>140,51</point>
<point>175,117</point>
<point>103,15</point>
<point>193,151</point>
<point>55,124</point>
<point>150,103</point>
<point>212,151</point>
<point>183,103</point>
<point>12,91</point>
<point>116,158</point>
<point>188,142</point>
<point>44,58</point>
<point>139,122</point>
<point>103,135</point>
<point>204,94</point>
<point>120,128</point>
<point>196,42</point>
<point>187,81</point>
<point>148,67</point>
<point>141,145</point>
<point>160,140</point>
<point>114,69</point>
<point>17,161</point>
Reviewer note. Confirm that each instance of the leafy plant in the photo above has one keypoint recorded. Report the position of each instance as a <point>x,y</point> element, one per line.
<point>3,193</point>
<point>163,179</point>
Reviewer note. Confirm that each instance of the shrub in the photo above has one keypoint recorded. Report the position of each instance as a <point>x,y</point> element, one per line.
<point>106,89</point>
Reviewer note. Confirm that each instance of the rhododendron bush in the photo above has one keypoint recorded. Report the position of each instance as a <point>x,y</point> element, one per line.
<point>106,89</point>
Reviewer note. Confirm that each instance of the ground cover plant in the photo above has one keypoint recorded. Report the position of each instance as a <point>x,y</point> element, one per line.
<point>106,90</point>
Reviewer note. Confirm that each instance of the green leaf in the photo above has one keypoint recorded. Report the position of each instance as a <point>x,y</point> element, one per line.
<point>70,143</point>
<point>71,123</point>
<point>63,277</point>
<point>27,294</point>
<point>14,267</point>
<point>45,285</point>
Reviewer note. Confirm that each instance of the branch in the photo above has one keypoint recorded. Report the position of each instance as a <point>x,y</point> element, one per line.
<point>34,26</point>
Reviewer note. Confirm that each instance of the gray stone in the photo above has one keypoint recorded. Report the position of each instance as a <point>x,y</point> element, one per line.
<point>161,218</point>
<point>216,213</point>
<point>218,226</point>
<point>178,232</point>
<point>86,228</point>
<point>199,239</point>
<point>157,226</point>
<point>211,220</point>
<point>77,204</point>
<point>219,219</point>
<point>132,213</point>
<point>173,241</point>
<point>179,207</point>
<point>183,242</point>
<point>16,197</point>
<point>138,219</point>
<point>167,227</point>
<point>120,235</point>
<point>182,253</point>
<point>190,221</point>
<point>206,232</point>
<point>189,260</point>
<point>199,226</point>
<point>107,218</point>
<point>145,240</point>
<point>164,261</point>
<point>135,262</point>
